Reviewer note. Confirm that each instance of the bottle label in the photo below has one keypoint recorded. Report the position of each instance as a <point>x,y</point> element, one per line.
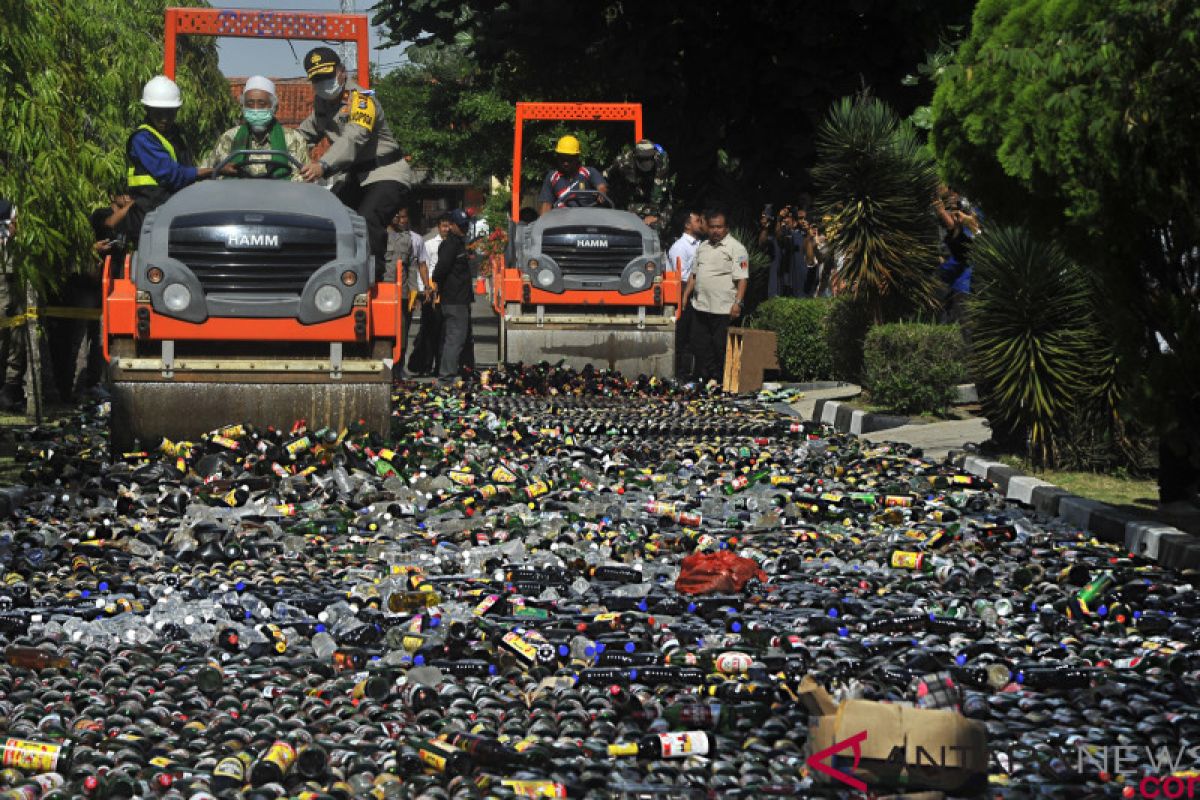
<point>521,647</point>
<point>732,663</point>
<point>503,475</point>
<point>281,755</point>
<point>535,788</point>
<point>462,477</point>
<point>897,501</point>
<point>536,489</point>
<point>907,559</point>
<point>435,760</point>
<point>630,749</point>
<point>31,756</point>
<point>233,768</point>
<point>685,743</point>
<point>485,604</point>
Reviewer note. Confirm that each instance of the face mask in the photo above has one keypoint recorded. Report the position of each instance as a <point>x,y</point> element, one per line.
<point>328,89</point>
<point>258,118</point>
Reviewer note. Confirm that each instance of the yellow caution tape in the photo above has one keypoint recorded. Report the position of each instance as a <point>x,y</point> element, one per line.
<point>58,312</point>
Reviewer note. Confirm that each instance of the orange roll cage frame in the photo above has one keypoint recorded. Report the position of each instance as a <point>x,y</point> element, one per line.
<point>583,112</point>
<point>250,24</point>
<point>384,300</point>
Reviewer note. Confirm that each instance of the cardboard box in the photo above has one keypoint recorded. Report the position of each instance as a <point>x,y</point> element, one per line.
<point>904,746</point>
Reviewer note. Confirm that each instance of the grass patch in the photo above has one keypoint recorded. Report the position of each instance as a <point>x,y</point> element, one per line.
<point>1138,496</point>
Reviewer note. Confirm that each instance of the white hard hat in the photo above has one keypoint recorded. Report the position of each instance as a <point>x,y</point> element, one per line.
<point>161,92</point>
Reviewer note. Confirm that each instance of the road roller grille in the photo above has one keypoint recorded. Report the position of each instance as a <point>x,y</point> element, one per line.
<point>375,316</point>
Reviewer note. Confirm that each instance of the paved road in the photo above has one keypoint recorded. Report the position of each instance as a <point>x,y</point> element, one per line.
<point>936,438</point>
<point>484,324</point>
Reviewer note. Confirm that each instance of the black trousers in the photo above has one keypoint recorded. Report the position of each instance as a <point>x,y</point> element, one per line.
<point>685,362</point>
<point>376,203</point>
<point>708,344</point>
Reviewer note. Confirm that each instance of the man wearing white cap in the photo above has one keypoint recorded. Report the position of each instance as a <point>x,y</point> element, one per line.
<point>260,131</point>
<point>160,163</point>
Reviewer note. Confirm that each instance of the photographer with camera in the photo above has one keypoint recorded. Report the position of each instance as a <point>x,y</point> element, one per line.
<point>768,240</point>
<point>959,226</point>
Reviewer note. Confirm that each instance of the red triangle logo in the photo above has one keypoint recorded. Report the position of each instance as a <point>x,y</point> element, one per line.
<point>817,760</point>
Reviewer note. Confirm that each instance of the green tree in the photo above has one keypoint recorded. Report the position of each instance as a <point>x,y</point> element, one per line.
<point>447,120</point>
<point>876,183</point>
<point>70,79</point>
<point>1079,120</point>
<point>746,83</point>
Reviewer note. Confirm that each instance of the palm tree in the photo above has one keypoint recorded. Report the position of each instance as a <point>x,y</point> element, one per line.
<point>1036,347</point>
<point>876,183</point>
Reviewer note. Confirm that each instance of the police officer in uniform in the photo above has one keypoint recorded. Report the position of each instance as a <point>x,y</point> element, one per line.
<point>160,163</point>
<point>361,148</point>
<point>563,185</point>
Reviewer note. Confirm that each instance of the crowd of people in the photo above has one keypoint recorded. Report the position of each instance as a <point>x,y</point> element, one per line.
<point>802,262</point>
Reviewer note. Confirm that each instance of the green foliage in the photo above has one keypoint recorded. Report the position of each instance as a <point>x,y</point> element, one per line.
<point>1036,348</point>
<point>876,184</point>
<point>1078,119</point>
<point>799,326</point>
<point>674,57</point>
<point>846,327</point>
<point>70,79</point>
<point>497,209</point>
<point>913,368</point>
<point>451,123</point>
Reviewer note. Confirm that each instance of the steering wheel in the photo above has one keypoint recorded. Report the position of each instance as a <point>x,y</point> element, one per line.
<point>293,165</point>
<point>568,199</point>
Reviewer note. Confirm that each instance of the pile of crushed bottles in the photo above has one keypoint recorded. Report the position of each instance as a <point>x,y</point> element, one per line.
<point>483,604</point>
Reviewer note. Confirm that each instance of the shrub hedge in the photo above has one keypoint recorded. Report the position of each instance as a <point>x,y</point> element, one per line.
<point>913,368</point>
<point>846,327</point>
<point>799,326</point>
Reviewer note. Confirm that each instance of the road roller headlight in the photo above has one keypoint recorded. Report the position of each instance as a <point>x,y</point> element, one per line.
<point>545,278</point>
<point>638,280</point>
<point>328,299</point>
<point>176,297</point>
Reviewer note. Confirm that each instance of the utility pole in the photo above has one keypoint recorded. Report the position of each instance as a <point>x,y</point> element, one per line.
<point>346,49</point>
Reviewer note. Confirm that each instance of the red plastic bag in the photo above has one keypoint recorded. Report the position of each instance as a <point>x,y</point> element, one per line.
<point>704,573</point>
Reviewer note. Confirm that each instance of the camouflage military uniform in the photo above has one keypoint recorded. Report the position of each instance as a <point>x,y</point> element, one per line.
<point>647,194</point>
<point>297,147</point>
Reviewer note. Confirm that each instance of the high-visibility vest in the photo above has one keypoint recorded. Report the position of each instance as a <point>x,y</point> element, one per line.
<point>134,177</point>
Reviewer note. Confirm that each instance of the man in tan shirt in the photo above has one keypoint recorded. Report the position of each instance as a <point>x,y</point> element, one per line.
<point>716,289</point>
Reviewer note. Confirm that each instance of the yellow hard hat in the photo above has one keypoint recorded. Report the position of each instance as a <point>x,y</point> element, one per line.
<point>567,146</point>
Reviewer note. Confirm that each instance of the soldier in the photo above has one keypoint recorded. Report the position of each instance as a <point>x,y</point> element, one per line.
<point>362,147</point>
<point>260,131</point>
<point>643,182</point>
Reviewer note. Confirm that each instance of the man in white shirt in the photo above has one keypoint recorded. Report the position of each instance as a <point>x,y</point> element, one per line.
<point>682,256</point>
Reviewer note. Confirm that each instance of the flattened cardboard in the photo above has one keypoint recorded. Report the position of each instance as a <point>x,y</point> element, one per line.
<point>918,748</point>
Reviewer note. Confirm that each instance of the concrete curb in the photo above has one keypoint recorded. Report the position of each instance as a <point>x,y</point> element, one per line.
<point>848,419</point>
<point>1168,546</point>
